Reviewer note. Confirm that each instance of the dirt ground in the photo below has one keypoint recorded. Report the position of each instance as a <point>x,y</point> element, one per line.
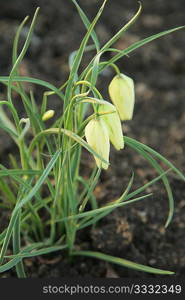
<point>135,232</point>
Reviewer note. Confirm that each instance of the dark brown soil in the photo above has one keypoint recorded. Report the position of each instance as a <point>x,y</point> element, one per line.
<point>136,232</point>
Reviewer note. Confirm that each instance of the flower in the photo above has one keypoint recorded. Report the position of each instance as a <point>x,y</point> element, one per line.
<point>97,137</point>
<point>121,91</point>
<point>113,124</point>
<point>48,115</point>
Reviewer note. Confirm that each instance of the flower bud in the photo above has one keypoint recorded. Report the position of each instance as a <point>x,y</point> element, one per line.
<point>113,124</point>
<point>97,137</point>
<point>121,91</point>
<point>48,115</point>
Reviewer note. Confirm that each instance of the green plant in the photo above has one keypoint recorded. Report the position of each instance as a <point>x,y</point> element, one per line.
<point>43,182</point>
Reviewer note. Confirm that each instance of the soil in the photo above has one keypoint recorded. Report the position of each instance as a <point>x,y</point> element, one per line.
<point>135,232</point>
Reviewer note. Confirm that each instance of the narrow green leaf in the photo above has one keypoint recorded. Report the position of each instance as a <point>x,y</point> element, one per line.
<point>79,54</point>
<point>158,155</point>
<point>34,253</point>
<point>92,185</point>
<point>13,262</point>
<point>164,178</point>
<point>20,172</point>
<point>122,262</point>
<point>23,201</point>
<point>16,238</point>
<point>5,79</point>
<point>138,45</point>
<point>107,46</point>
<point>145,186</point>
<point>123,29</point>
<point>87,24</point>
<point>9,131</point>
<point>22,54</point>
<point>16,40</point>
<point>86,222</point>
<point>101,209</point>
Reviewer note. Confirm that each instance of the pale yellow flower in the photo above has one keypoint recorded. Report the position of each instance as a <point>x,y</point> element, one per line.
<point>97,137</point>
<point>113,124</point>
<point>48,115</point>
<point>121,91</point>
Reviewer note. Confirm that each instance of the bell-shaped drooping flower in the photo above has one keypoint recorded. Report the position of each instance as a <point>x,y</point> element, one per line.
<point>121,91</point>
<point>48,115</point>
<point>113,124</point>
<point>97,137</point>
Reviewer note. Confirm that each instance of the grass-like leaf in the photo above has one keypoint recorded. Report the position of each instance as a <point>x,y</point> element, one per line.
<point>122,262</point>
<point>164,178</point>
<point>24,201</point>
<point>87,24</point>
<point>139,44</point>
